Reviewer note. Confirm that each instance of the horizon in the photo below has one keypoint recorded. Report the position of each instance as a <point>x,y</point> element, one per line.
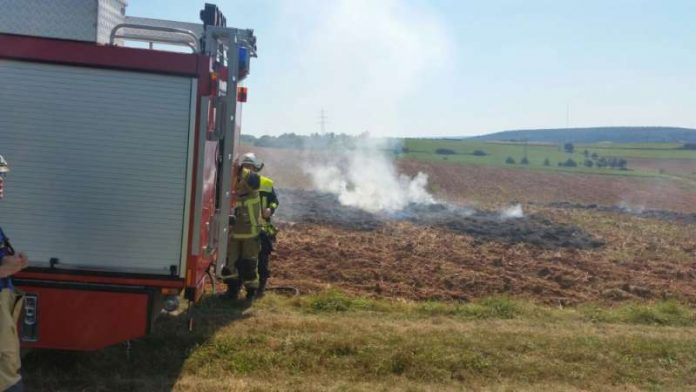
<point>407,68</point>
<point>657,128</point>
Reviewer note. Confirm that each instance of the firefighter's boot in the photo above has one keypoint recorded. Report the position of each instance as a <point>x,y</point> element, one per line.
<point>262,288</point>
<point>233,289</point>
<point>251,294</point>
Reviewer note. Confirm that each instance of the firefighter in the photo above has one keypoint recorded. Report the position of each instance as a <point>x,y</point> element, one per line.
<point>243,246</point>
<point>267,236</point>
<point>10,305</point>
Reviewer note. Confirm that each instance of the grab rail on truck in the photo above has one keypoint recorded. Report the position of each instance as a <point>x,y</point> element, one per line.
<point>174,40</point>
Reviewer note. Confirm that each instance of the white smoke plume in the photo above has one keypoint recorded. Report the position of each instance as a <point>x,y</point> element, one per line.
<point>365,61</point>
<point>366,178</point>
<point>630,208</point>
<point>512,212</point>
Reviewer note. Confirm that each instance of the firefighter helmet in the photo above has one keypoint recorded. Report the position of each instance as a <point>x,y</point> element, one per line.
<point>4,166</point>
<point>250,159</point>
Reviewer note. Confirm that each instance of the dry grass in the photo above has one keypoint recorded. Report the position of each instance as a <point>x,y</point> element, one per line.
<point>642,258</point>
<point>332,341</point>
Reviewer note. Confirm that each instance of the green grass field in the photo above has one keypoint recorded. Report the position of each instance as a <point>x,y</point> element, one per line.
<point>335,342</point>
<point>497,152</point>
<point>640,150</point>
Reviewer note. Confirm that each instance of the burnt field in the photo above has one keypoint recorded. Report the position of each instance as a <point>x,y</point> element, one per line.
<point>581,239</point>
<point>508,226</point>
<point>553,253</point>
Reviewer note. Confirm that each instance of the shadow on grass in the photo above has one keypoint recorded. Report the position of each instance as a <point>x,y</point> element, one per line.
<point>153,363</point>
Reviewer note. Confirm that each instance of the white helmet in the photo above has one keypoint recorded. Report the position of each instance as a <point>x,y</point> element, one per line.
<point>250,159</point>
<point>4,166</point>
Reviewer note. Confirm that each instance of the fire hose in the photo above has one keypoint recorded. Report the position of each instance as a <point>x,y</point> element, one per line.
<point>288,290</point>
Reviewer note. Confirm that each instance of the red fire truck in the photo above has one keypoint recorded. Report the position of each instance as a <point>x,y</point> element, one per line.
<point>121,151</point>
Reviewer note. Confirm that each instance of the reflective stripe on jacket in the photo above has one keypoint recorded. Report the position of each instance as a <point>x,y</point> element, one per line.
<point>248,213</point>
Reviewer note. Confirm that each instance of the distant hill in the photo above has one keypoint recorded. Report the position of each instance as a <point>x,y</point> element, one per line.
<point>596,135</point>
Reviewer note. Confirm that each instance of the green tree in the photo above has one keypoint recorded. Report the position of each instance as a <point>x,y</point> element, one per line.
<point>445,151</point>
<point>570,163</point>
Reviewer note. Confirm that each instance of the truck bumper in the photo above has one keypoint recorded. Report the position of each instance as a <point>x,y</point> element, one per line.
<point>83,316</point>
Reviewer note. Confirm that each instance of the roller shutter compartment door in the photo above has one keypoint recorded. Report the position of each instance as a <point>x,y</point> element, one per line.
<point>99,166</point>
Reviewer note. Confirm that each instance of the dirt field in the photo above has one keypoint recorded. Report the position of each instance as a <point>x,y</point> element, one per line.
<point>640,259</point>
<point>584,238</point>
<point>685,167</point>
<point>665,215</point>
<point>492,186</point>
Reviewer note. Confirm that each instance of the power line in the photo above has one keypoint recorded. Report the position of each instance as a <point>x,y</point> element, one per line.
<point>323,120</point>
<point>567,115</point>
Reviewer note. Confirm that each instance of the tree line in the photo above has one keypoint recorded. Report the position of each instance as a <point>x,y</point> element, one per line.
<point>312,141</point>
<point>590,160</point>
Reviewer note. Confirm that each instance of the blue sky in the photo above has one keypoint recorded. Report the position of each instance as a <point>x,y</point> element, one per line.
<point>447,67</point>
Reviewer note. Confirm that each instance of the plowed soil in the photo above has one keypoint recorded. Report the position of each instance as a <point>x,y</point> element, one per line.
<point>670,216</point>
<point>594,255</point>
<point>496,185</point>
<point>584,238</point>
<point>492,186</point>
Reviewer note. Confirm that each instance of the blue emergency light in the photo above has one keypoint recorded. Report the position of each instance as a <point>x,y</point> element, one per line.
<point>244,63</point>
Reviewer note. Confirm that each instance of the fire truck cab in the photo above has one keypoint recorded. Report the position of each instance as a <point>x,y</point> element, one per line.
<point>121,162</point>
